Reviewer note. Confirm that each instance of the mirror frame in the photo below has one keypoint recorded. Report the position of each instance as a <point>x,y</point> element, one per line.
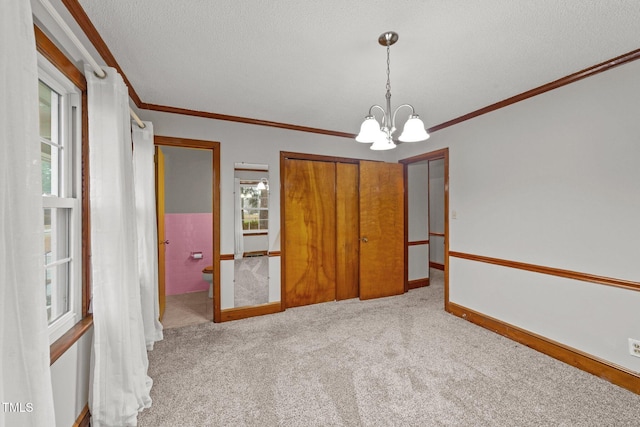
<point>241,171</point>
<point>244,312</point>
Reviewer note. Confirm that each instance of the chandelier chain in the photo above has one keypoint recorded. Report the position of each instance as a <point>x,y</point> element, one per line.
<point>388,69</point>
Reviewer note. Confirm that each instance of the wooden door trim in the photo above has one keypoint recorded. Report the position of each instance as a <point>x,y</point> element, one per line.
<point>432,155</point>
<point>283,237</point>
<point>315,157</point>
<point>418,283</point>
<point>405,178</point>
<point>552,271</point>
<point>160,193</point>
<point>214,146</point>
<point>418,242</point>
<point>238,313</point>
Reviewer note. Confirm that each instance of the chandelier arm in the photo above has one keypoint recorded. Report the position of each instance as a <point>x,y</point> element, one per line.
<point>413,112</point>
<point>384,113</point>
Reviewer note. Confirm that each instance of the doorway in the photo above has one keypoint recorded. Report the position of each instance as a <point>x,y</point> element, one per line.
<point>427,207</point>
<point>187,177</point>
<point>436,213</point>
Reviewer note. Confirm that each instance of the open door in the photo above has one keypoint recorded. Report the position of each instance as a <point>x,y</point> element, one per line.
<point>161,234</point>
<point>381,229</point>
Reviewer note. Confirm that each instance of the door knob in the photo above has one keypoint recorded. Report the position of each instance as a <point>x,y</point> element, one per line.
<point>364,240</point>
<point>165,242</point>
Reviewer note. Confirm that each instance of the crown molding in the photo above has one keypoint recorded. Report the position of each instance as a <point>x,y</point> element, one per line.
<point>91,32</point>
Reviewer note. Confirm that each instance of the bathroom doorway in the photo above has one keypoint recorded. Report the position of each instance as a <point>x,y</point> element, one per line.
<point>188,230</point>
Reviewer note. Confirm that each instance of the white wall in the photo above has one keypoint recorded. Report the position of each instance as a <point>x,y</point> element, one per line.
<point>436,210</point>
<point>70,381</point>
<point>187,180</point>
<point>253,144</point>
<point>554,181</point>
<point>418,219</point>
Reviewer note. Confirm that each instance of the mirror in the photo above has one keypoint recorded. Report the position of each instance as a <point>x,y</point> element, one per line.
<point>251,221</point>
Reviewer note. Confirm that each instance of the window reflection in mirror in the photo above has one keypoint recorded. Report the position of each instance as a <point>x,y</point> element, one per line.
<point>251,265</point>
<point>254,197</point>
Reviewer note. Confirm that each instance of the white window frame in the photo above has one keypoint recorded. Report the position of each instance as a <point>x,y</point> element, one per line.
<point>70,197</point>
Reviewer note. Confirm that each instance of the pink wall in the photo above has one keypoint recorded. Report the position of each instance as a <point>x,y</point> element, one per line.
<point>186,233</point>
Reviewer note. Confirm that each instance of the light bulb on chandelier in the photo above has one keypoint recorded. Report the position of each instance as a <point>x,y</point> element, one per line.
<point>371,131</point>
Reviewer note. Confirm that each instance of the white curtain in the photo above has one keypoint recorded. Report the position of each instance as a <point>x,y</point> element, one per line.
<point>239,235</point>
<point>25,378</point>
<point>145,194</point>
<point>119,386</point>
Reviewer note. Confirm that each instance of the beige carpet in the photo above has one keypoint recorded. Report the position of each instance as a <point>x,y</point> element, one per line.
<point>399,361</point>
<point>251,277</point>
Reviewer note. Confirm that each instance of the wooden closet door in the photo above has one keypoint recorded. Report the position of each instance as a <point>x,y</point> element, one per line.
<point>381,229</point>
<point>347,231</point>
<point>310,232</point>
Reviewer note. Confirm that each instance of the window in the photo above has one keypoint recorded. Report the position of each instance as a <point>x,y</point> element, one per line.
<point>59,113</point>
<point>255,206</point>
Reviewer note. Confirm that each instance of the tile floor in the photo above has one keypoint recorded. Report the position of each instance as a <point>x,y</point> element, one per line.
<point>187,309</point>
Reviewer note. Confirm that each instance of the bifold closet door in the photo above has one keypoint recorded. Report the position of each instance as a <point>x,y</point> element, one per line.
<point>347,231</point>
<point>309,195</point>
<point>381,229</point>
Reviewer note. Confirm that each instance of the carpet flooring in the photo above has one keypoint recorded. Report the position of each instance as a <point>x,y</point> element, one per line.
<point>251,277</point>
<point>398,361</point>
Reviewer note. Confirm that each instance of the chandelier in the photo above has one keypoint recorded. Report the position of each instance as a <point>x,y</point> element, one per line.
<point>382,135</point>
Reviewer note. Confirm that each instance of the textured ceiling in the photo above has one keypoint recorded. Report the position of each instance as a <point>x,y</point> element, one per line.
<point>319,64</point>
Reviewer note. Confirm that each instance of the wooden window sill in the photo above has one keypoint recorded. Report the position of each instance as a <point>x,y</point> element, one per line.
<point>65,342</point>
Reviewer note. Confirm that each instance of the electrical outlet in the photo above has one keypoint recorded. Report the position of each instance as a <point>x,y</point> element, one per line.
<point>634,347</point>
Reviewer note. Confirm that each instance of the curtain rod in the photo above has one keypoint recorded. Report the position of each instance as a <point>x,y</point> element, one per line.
<point>97,70</point>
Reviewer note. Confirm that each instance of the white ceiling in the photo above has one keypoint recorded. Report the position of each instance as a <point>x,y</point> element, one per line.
<point>319,64</point>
